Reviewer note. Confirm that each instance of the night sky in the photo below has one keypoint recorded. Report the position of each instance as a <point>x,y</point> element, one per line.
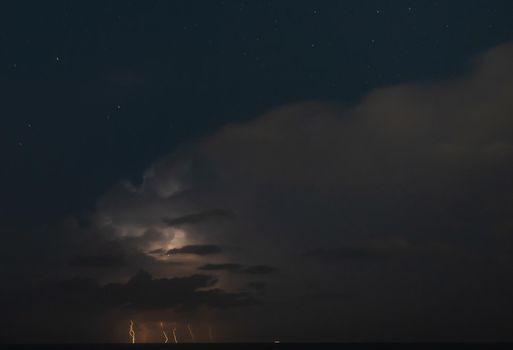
<point>257,170</point>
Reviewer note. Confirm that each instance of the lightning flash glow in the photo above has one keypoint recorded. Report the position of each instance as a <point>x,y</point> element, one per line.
<point>131,331</point>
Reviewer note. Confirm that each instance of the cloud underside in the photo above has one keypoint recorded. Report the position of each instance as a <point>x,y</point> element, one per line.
<point>143,292</point>
<point>221,267</point>
<point>197,218</point>
<point>253,270</point>
<point>207,249</point>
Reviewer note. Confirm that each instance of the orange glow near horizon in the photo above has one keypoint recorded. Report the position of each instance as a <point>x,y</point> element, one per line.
<point>142,330</point>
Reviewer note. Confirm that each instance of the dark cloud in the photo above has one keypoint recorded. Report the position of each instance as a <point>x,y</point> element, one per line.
<point>221,299</point>
<point>221,267</point>
<point>143,292</point>
<point>342,253</point>
<point>78,284</point>
<point>159,251</point>
<point>79,306</point>
<point>379,249</point>
<point>198,217</point>
<point>259,285</point>
<point>200,249</point>
<point>110,255</point>
<point>259,270</point>
<point>98,261</point>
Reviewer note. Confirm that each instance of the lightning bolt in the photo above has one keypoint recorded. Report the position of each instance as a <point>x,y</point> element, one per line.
<point>174,334</point>
<point>190,332</point>
<point>131,332</point>
<point>166,339</point>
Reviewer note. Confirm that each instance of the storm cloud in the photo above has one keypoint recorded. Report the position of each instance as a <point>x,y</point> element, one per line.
<point>207,249</point>
<point>259,270</point>
<point>221,267</point>
<point>198,217</point>
<point>377,250</point>
<point>97,261</point>
<point>417,174</point>
<point>414,178</point>
<point>144,292</point>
